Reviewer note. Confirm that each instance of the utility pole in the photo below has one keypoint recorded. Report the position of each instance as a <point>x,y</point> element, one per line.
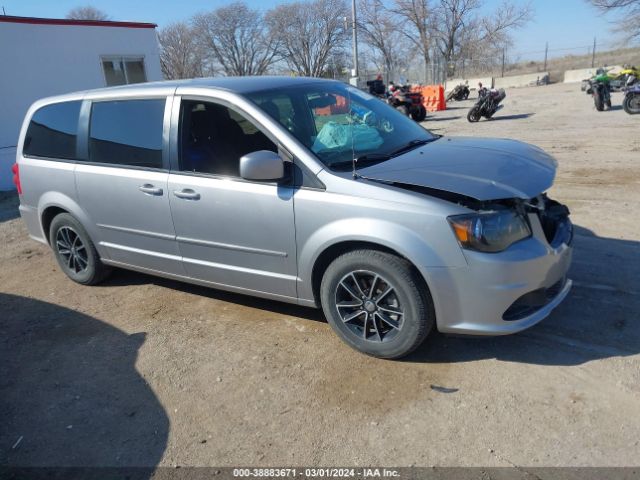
<point>354,29</point>
<point>593,55</point>
<point>546,50</point>
<point>502,63</point>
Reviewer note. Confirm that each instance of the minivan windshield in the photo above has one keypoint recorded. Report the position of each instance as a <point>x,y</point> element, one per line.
<point>338,123</point>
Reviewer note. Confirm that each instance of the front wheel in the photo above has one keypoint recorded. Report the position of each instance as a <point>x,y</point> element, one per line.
<point>597,100</point>
<point>473,115</point>
<point>75,252</point>
<point>419,114</point>
<point>631,104</point>
<point>377,303</point>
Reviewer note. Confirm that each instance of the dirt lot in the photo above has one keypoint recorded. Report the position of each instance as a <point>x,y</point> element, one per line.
<point>143,371</point>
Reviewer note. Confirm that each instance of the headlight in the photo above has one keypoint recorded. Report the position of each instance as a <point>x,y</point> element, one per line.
<point>491,231</point>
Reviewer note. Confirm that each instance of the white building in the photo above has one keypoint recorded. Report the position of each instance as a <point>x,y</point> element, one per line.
<point>40,57</point>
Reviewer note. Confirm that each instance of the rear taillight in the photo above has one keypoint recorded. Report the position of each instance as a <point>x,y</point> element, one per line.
<point>16,177</point>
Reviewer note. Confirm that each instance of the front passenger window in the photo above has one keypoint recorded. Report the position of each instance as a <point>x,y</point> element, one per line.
<point>214,137</point>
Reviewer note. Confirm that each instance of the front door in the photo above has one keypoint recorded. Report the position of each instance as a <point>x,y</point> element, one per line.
<point>231,232</point>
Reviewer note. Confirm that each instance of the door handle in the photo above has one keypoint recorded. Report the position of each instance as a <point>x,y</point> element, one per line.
<point>187,194</point>
<point>150,189</point>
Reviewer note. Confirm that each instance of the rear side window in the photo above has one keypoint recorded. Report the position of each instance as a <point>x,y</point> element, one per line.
<point>53,131</point>
<point>127,132</point>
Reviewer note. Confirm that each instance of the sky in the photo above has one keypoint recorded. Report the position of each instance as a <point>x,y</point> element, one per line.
<point>569,26</point>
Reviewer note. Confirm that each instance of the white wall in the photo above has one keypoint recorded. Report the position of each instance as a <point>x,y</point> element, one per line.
<point>472,82</point>
<point>41,60</point>
<point>525,80</point>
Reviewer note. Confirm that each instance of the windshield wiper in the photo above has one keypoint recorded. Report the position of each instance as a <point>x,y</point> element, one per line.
<point>369,158</point>
<point>411,145</point>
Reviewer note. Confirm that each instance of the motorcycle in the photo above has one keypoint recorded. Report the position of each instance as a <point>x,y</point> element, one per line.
<point>408,103</point>
<point>601,92</point>
<point>631,102</point>
<point>460,92</point>
<point>487,105</point>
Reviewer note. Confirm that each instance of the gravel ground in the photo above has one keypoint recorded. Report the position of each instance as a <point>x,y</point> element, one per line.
<point>144,371</point>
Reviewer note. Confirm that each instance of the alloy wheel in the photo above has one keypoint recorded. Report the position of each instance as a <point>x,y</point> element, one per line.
<point>369,306</point>
<point>71,249</point>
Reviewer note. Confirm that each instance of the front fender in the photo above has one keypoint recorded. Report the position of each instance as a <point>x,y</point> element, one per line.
<point>437,250</point>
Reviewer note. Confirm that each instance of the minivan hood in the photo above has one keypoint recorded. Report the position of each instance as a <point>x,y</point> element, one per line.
<point>481,168</point>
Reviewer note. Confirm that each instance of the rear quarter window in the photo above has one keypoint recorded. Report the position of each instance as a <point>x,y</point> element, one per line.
<point>53,131</point>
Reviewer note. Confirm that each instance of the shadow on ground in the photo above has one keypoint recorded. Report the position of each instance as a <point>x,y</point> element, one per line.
<point>442,119</point>
<point>71,395</point>
<point>597,320</point>
<point>519,116</point>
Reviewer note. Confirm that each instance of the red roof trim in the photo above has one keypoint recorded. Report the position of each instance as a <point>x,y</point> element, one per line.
<point>83,23</point>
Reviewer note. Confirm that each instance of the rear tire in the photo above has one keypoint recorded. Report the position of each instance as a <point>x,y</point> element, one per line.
<point>75,252</point>
<point>631,104</point>
<point>377,303</point>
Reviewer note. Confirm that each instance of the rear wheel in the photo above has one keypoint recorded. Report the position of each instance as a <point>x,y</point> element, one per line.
<point>631,104</point>
<point>376,303</point>
<point>75,252</point>
<point>473,115</point>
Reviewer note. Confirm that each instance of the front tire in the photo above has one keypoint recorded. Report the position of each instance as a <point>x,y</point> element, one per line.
<point>473,115</point>
<point>631,104</point>
<point>597,100</point>
<point>377,303</point>
<point>419,114</point>
<point>75,252</point>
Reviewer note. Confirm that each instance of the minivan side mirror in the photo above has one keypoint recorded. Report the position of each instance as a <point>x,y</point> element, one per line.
<point>261,165</point>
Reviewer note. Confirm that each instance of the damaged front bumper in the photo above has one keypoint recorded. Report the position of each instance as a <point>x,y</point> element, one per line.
<point>506,292</point>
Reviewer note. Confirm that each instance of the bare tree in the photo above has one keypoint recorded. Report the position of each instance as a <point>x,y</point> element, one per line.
<point>630,10</point>
<point>181,56</point>
<point>459,29</point>
<point>417,14</point>
<point>87,13</point>
<point>237,39</point>
<point>310,34</point>
<point>382,32</point>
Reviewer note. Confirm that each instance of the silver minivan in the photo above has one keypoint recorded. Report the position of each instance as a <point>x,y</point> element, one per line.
<point>302,190</point>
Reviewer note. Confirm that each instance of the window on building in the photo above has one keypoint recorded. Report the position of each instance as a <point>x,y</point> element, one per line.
<point>123,70</point>
<point>214,137</point>
<point>127,132</point>
<point>53,130</point>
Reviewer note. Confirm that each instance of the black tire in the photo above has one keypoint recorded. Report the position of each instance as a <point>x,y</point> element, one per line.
<point>473,115</point>
<point>403,109</point>
<point>373,330</point>
<point>75,252</point>
<point>466,95</point>
<point>597,100</point>
<point>631,104</point>
<point>419,114</point>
